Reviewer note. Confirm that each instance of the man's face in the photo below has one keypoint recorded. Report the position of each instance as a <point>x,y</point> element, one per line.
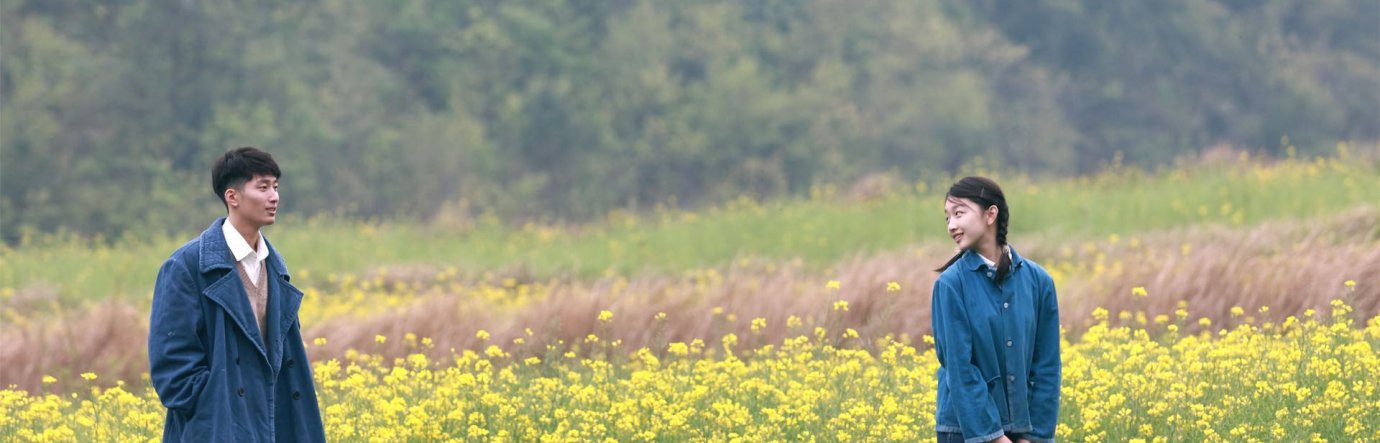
<point>255,202</point>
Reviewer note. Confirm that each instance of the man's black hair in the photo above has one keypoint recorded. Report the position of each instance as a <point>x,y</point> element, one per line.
<point>238,166</point>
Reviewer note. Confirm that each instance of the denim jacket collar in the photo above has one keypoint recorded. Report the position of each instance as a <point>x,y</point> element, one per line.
<point>215,253</point>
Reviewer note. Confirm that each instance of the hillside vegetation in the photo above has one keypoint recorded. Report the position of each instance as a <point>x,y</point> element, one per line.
<point>568,110</point>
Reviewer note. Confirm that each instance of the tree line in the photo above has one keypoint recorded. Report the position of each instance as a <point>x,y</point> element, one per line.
<point>111,111</point>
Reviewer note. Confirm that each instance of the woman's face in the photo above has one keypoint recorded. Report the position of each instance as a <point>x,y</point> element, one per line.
<point>969,224</point>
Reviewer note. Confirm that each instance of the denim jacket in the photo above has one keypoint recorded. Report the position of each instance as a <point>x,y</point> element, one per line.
<point>998,350</point>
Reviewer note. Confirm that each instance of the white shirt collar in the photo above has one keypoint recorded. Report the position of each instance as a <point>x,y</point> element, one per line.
<point>239,248</point>
<point>989,263</point>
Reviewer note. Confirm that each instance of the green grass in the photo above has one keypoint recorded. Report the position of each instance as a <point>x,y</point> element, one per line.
<point>818,230</point>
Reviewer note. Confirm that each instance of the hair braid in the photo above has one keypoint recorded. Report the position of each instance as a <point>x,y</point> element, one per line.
<point>1003,220</point>
<point>1004,262</point>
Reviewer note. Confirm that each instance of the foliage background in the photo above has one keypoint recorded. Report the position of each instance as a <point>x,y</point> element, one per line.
<point>445,111</point>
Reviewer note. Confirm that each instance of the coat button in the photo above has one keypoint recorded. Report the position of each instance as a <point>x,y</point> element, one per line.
<point>1005,305</point>
<point>1008,343</point>
<point>296,395</point>
<point>290,363</point>
<point>1011,378</point>
<point>241,392</point>
<point>990,274</point>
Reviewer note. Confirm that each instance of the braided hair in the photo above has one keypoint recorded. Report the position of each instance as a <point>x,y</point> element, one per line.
<point>986,194</point>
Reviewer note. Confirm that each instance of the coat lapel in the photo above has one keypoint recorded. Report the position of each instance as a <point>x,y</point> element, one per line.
<point>227,291</point>
<point>284,300</point>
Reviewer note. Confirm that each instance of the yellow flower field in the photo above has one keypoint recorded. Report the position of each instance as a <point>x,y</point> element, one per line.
<point>1309,378</point>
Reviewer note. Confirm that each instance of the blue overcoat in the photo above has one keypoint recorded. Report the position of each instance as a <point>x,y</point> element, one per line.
<point>220,379</point>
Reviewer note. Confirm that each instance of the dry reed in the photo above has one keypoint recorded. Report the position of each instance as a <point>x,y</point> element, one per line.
<point>1289,266</point>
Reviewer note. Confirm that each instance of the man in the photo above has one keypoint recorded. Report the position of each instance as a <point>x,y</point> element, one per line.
<point>225,347</point>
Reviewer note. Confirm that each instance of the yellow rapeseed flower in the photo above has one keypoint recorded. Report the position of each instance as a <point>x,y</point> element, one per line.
<point>833,284</point>
<point>841,305</point>
<point>605,316</point>
<point>88,376</point>
<point>893,286</point>
<point>380,339</point>
<point>1139,291</point>
<point>1122,383</point>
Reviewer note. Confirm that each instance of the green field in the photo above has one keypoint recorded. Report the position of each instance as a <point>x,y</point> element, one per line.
<point>819,230</point>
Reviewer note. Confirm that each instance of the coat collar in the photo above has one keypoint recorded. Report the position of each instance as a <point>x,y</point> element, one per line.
<point>973,262</point>
<point>215,253</point>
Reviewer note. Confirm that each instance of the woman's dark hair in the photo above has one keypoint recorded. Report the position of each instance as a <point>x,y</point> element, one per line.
<point>238,166</point>
<point>986,194</point>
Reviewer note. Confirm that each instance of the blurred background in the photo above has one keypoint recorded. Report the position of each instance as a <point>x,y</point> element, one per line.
<point>524,175</point>
<point>431,110</point>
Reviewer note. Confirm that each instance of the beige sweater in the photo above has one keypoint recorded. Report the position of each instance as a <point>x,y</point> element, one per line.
<point>258,295</point>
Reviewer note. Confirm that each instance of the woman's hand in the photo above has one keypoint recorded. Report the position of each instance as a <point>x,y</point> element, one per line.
<point>1002,439</point>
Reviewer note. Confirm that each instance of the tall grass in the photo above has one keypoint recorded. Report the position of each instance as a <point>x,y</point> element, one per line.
<point>1225,276</point>
<point>818,230</point>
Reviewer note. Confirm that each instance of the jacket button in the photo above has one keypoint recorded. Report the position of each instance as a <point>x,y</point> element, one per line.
<point>296,395</point>
<point>290,363</point>
<point>1008,343</point>
<point>241,392</point>
<point>1011,378</point>
<point>1005,305</point>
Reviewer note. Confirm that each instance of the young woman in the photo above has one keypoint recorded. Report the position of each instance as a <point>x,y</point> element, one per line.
<point>996,328</point>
